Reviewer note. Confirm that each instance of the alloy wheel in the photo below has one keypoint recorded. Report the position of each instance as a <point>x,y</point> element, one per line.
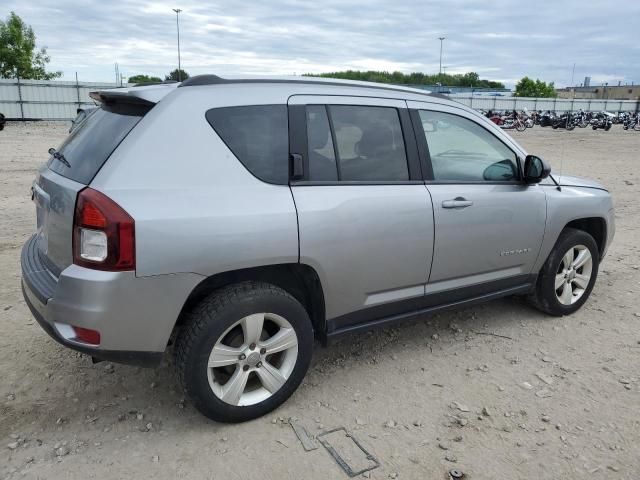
<point>252,359</point>
<point>573,275</point>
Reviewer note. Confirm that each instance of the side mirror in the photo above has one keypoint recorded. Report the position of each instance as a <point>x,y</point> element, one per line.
<point>535,169</point>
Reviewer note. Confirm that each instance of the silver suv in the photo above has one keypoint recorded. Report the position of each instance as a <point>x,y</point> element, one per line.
<point>239,219</point>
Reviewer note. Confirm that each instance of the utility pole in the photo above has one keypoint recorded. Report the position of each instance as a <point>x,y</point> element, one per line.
<point>177,10</point>
<point>572,85</point>
<point>440,70</point>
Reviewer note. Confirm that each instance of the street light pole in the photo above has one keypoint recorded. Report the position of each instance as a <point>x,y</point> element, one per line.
<point>440,70</point>
<point>177,10</point>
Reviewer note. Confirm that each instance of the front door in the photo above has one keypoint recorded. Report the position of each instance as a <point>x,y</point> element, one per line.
<point>489,225</point>
<point>365,216</point>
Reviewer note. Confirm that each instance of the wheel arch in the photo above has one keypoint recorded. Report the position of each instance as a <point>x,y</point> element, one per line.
<point>594,226</point>
<point>299,280</point>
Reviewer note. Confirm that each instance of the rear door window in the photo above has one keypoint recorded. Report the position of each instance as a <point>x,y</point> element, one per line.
<point>369,143</point>
<point>258,135</point>
<point>322,158</point>
<point>89,145</point>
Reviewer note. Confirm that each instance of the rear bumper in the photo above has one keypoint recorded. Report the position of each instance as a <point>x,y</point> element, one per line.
<point>142,359</point>
<point>134,315</point>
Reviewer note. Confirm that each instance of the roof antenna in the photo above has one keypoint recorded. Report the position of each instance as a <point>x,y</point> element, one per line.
<point>556,182</point>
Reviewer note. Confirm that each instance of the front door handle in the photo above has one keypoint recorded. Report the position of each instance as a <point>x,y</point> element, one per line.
<point>458,202</point>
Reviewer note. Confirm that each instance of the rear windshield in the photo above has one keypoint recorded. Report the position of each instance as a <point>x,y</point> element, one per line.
<point>92,141</point>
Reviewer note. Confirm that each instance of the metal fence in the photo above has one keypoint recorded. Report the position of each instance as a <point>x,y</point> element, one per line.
<point>59,100</point>
<point>45,100</point>
<point>553,104</point>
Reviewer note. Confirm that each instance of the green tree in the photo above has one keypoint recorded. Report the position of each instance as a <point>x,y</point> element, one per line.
<point>173,75</point>
<point>470,79</point>
<point>144,79</point>
<point>18,53</point>
<point>528,87</point>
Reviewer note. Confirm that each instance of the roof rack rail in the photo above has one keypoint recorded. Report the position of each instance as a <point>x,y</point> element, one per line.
<point>209,79</point>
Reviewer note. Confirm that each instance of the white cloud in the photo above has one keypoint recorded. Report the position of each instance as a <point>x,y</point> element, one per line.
<point>499,40</point>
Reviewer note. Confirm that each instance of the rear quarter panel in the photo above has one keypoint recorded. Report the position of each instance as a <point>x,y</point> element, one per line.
<point>196,208</point>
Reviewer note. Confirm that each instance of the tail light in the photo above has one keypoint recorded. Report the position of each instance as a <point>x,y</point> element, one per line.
<point>103,233</point>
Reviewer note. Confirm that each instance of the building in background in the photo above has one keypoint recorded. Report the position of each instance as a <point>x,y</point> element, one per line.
<point>611,92</point>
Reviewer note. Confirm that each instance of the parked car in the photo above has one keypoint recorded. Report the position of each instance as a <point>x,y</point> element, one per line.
<point>239,219</point>
<point>2,122</point>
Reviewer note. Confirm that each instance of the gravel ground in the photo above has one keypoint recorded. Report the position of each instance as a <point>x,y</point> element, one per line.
<point>497,391</point>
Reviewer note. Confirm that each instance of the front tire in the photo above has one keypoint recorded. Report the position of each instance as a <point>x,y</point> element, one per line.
<point>569,274</point>
<point>243,351</point>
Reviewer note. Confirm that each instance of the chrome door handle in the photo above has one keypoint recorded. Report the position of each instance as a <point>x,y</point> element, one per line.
<point>458,202</point>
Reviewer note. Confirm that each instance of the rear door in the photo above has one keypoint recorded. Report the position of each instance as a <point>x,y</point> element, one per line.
<point>488,223</point>
<point>365,217</point>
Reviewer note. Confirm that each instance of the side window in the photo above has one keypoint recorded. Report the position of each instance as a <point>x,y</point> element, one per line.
<point>364,144</point>
<point>463,151</point>
<point>369,143</point>
<point>322,159</point>
<point>258,136</point>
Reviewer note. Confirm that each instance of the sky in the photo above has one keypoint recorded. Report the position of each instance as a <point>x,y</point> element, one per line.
<point>500,40</point>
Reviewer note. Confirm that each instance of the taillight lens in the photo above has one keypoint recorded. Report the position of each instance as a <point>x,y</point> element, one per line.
<point>103,233</point>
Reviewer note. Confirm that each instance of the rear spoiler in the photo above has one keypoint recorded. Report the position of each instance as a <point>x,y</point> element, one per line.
<point>147,95</point>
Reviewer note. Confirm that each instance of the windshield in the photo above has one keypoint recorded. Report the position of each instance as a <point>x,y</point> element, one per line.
<point>92,142</point>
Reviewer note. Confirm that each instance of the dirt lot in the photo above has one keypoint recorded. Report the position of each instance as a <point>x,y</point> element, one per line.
<point>577,415</point>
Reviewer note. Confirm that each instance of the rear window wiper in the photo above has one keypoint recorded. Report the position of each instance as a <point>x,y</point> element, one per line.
<point>58,156</point>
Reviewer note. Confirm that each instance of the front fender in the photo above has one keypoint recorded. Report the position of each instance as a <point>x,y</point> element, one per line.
<point>574,203</point>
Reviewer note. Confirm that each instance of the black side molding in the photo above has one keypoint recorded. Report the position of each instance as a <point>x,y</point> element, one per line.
<point>417,309</point>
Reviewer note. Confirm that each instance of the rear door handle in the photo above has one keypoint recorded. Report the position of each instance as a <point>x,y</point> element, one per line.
<point>458,202</point>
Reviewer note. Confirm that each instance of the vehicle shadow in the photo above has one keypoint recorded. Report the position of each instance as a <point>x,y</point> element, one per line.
<point>63,390</point>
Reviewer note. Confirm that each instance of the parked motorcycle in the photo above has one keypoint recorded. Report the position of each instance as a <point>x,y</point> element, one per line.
<point>547,119</point>
<point>581,119</point>
<point>632,122</point>
<point>509,122</point>
<point>602,120</point>
<point>565,121</point>
<point>529,122</point>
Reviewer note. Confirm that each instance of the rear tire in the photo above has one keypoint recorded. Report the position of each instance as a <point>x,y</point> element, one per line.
<point>561,272</point>
<point>243,351</point>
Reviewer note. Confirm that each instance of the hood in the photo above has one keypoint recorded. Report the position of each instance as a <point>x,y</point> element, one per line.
<point>571,181</point>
